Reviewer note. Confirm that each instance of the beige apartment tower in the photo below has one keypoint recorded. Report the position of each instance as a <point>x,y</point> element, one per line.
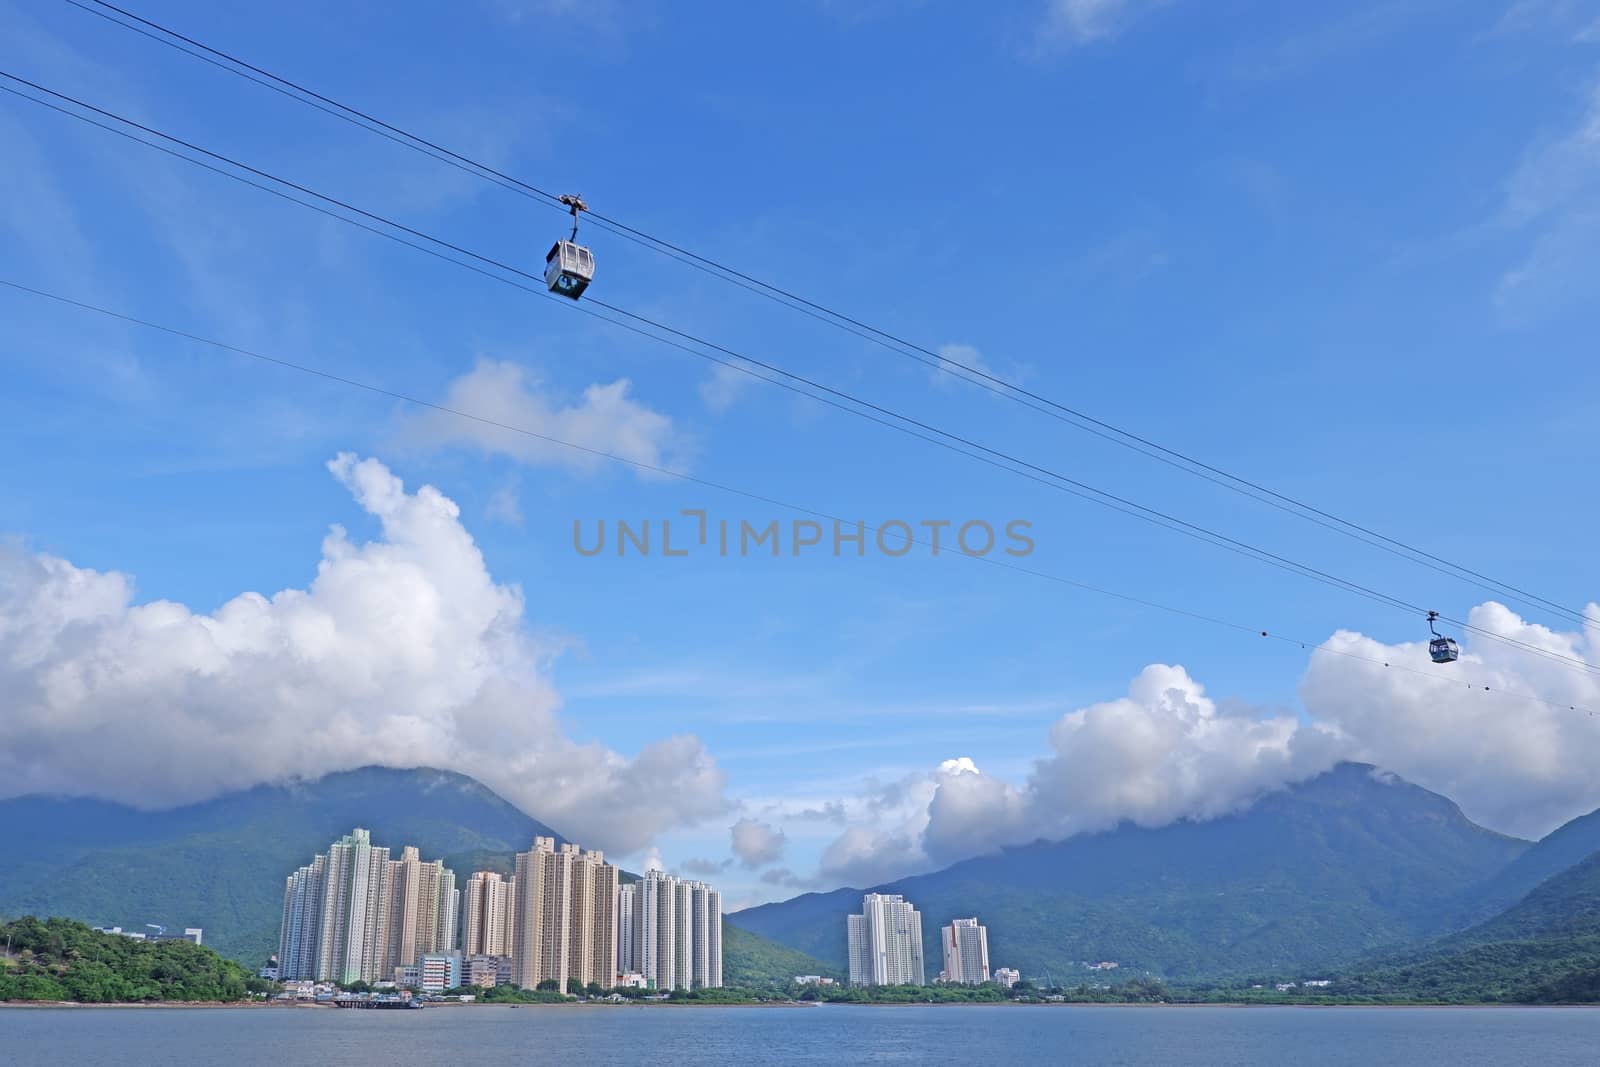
<point>566,916</point>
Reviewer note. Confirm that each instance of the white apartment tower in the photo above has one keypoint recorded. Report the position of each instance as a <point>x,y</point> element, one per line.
<point>353,940</point>
<point>966,952</point>
<point>674,932</point>
<point>885,942</point>
<point>302,920</point>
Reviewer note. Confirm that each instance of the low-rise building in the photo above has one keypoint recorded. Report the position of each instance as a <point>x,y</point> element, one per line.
<point>632,980</point>
<point>486,971</point>
<point>813,979</point>
<point>438,971</point>
<point>1007,976</point>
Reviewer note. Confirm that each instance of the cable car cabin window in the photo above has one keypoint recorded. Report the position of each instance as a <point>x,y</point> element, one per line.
<point>555,251</point>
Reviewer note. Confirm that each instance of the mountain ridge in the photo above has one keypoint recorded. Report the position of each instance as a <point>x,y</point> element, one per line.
<point>1323,871</point>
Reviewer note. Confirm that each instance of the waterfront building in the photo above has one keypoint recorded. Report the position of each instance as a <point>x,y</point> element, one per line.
<point>485,971</point>
<point>566,916</point>
<point>302,919</point>
<point>673,931</point>
<point>966,952</point>
<point>488,926</point>
<point>352,939</point>
<point>1007,976</point>
<point>438,971</point>
<point>422,907</point>
<point>353,914</point>
<point>885,942</point>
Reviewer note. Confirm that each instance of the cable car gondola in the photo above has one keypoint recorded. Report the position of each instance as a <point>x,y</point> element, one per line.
<point>1442,649</point>
<point>569,268</point>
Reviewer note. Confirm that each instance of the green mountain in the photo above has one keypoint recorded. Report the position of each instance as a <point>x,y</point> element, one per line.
<point>1543,949</point>
<point>220,864</point>
<point>752,962</point>
<point>1324,872</point>
<point>1557,851</point>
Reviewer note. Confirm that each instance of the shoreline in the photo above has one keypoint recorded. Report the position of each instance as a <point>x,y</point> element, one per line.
<point>213,1005</point>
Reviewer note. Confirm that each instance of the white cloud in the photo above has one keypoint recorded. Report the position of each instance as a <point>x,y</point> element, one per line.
<point>606,419</point>
<point>965,355</point>
<point>504,507</point>
<point>757,843</point>
<point>1167,751</point>
<point>726,384</point>
<point>1552,197</point>
<point>1518,765</point>
<point>402,651</point>
<point>1083,21</point>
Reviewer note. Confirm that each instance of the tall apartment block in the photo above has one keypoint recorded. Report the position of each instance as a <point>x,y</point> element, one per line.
<point>670,931</point>
<point>353,913</point>
<point>885,942</point>
<point>966,952</point>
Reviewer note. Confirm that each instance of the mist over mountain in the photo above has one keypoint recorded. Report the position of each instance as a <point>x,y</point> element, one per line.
<point>1313,875</point>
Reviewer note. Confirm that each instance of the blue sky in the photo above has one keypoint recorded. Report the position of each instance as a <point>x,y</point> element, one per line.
<point>1349,254</point>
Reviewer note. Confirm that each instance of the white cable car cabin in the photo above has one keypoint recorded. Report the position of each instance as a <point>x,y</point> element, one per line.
<point>568,269</point>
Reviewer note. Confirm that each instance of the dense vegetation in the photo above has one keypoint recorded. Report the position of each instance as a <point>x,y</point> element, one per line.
<point>1314,876</point>
<point>57,959</point>
<point>1544,949</point>
<point>752,962</point>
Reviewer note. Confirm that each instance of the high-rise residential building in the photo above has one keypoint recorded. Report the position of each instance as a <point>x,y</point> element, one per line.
<point>566,916</point>
<point>353,941</point>
<point>422,907</point>
<point>707,952</point>
<point>674,932</point>
<point>1007,976</point>
<point>488,916</point>
<point>885,942</point>
<point>966,952</point>
<point>353,914</point>
<point>627,900</point>
<point>302,920</point>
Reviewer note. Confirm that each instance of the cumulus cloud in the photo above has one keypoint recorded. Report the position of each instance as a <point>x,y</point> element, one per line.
<point>757,843</point>
<point>605,419</point>
<point>1517,764</point>
<point>401,651</point>
<point>1168,751</point>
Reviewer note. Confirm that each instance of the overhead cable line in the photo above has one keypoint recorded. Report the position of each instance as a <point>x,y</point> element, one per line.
<point>863,409</point>
<point>975,375</point>
<point>1315,648</point>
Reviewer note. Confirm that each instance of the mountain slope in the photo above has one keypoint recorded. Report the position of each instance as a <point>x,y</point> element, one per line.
<point>750,961</point>
<point>1561,849</point>
<point>1545,948</point>
<point>220,864</point>
<point>1324,871</point>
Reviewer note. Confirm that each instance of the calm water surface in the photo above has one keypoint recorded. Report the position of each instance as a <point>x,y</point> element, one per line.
<point>1204,1036</point>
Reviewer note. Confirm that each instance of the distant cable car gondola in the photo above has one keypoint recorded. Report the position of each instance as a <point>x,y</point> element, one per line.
<point>569,268</point>
<point>1442,649</point>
